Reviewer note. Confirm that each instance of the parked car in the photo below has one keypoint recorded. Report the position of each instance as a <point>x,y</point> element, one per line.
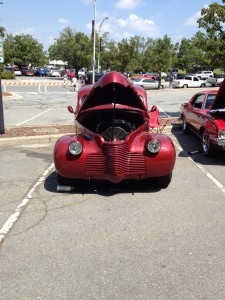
<point>204,114</point>
<point>217,80</point>
<point>42,72</point>
<point>16,71</point>
<point>53,72</point>
<point>146,75</point>
<point>89,77</point>
<point>204,74</point>
<point>27,72</point>
<point>188,81</point>
<point>113,141</point>
<point>148,84</point>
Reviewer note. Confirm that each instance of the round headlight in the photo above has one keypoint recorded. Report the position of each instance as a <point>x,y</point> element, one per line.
<point>153,146</point>
<point>75,148</point>
<point>221,135</point>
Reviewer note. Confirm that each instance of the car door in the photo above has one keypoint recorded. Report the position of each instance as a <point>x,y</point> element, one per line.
<point>148,83</point>
<point>196,117</point>
<point>195,82</point>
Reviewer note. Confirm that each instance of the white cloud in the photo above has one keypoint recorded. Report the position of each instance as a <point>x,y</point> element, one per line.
<point>192,20</point>
<point>137,24</point>
<point>127,4</point>
<point>63,21</point>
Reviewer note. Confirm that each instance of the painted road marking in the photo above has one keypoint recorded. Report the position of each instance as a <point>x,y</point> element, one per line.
<point>209,175</point>
<point>44,112</point>
<point>15,216</point>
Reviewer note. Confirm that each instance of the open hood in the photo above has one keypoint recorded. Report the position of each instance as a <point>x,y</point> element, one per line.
<point>113,88</point>
<point>219,102</point>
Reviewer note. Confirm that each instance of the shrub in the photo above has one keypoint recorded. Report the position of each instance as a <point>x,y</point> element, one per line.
<point>7,75</point>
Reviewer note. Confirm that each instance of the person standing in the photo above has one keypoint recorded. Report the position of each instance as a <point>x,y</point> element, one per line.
<point>75,84</point>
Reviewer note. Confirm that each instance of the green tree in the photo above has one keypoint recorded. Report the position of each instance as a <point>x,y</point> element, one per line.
<point>212,20</point>
<point>23,50</point>
<point>126,55</point>
<point>161,54</point>
<point>2,32</point>
<point>191,54</point>
<point>73,48</point>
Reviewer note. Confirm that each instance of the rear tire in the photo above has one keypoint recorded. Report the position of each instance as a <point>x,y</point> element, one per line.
<point>185,86</point>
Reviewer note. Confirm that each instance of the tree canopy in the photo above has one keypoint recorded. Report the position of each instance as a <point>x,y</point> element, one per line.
<point>206,49</point>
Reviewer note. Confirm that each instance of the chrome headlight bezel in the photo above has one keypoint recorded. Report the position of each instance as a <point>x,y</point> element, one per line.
<point>75,148</point>
<point>153,146</point>
<point>221,135</point>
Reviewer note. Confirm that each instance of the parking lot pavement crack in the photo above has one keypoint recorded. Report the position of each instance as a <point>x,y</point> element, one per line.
<point>35,224</point>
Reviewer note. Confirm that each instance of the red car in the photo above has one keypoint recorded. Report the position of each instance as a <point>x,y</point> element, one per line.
<point>204,114</point>
<point>114,139</point>
<point>27,72</point>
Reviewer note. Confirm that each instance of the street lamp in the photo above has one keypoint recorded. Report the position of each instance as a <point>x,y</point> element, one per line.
<point>93,29</point>
<point>99,45</point>
<point>2,124</point>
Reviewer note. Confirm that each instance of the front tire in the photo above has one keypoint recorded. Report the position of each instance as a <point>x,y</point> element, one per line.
<point>64,181</point>
<point>185,86</point>
<point>203,85</point>
<point>164,181</point>
<point>185,126</point>
<point>207,146</point>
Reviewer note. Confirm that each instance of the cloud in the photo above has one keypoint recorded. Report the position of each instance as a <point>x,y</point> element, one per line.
<point>63,21</point>
<point>127,4</point>
<point>137,24</point>
<point>192,21</point>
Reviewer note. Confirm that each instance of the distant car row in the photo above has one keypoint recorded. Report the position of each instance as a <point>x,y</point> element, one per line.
<point>53,72</point>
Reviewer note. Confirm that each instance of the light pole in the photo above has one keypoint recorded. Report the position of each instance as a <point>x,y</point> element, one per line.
<point>2,124</point>
<point>99,36</point>
<point>93,73</point>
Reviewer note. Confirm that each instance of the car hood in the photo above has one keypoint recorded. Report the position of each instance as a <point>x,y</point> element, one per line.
<point>219,102</point>
<point>113,88</point>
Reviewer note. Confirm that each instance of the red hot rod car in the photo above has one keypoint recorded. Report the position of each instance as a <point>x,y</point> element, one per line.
<point>204,114</point>
<point>114,140</point>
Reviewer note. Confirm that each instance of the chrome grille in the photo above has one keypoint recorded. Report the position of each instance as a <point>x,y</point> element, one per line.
<point>115,160</point>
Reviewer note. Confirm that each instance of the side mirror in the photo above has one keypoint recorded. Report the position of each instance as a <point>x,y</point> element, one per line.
<point>70,109</point>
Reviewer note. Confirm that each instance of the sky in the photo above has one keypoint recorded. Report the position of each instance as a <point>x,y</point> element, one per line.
<point>45,19</point>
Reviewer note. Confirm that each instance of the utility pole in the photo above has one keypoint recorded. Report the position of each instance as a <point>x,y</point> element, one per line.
<point>93,73</point>
<point>99,45</point>
<point>2,125</point>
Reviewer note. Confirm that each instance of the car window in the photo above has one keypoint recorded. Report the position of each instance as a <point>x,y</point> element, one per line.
<point>195,79</point>
<point>209,101</point>
<point>187,78</point>
<point>197,102</point>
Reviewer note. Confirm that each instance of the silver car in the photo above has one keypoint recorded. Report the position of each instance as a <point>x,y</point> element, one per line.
<point>147,83</point>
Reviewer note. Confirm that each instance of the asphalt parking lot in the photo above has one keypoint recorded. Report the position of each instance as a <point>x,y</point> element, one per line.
<point>107,241</point>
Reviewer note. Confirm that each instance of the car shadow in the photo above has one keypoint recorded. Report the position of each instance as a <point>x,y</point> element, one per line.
<point>191,145</point>
<point>103,188</point>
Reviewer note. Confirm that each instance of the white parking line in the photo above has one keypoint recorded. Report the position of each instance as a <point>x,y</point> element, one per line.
<point>209,175</point>
<point>15,216</point>
<point>162,111</point>
<point>44,112</point>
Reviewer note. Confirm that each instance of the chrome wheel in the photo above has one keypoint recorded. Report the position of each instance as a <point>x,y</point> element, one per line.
<point>185,125</point>
<point>207,147</point>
